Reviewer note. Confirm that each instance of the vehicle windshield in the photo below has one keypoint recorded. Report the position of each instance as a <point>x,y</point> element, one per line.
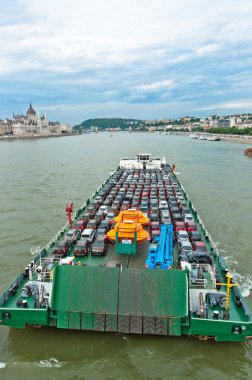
<point>99,243</point>
<point>186,247</point>
<point>81,243</point>
<point>183,234</point>
<point>201,248</point>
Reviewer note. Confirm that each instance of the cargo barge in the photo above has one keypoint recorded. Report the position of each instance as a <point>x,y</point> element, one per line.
<point>135,258</point>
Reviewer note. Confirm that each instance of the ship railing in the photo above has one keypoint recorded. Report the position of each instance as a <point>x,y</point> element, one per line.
<point>55,238</point>
<point>15,284</point>
<point>42,269</point>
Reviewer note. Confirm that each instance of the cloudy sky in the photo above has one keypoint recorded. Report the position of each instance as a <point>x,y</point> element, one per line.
<point>80,59</point>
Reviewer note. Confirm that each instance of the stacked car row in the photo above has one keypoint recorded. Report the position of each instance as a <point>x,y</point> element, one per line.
<point>86,236</point>
<point>154,192</point>
<point>191,248</point>
<point>89,232</point>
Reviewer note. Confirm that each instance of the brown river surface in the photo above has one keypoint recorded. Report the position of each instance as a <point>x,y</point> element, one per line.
<point>39,176</point>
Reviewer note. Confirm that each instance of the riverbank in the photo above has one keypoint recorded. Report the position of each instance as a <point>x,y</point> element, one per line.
<point>17,137</point>
<point>235,138</point>
<point>243,139</point>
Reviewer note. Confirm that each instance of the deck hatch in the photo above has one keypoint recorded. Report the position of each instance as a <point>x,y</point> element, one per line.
<point>153,292</point>
<point>130,293</point>
<point>86,289</point>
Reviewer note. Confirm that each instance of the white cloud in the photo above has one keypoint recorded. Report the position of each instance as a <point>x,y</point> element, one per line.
<point>229,105</point>
<point>155,86</point>
<point>208,49</point>
<point>128,51</point>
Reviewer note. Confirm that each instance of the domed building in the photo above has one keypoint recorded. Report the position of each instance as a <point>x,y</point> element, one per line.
<point>31,115</point>
<point>30,123</point>
<point>34,124</point>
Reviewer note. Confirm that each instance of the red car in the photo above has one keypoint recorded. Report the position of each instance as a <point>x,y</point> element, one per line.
<point>62,248</point>
<point>179,226</point>
<point>80,225</point>
<point>191,226</point>
<point>199,246</point>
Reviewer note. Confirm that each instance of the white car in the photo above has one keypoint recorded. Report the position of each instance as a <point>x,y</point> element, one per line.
<point>182,236</point>
<point>104,209</point>
<point>188,218</point>
<point>88,234</point>
<point>163,205</point>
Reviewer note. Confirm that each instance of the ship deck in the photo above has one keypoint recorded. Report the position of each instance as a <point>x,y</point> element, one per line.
<point>84,292</point>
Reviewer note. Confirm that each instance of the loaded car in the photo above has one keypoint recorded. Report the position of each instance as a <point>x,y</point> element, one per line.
<point>188,218</point>
<point>199,246</point>
<point>174,209</point>
<point>166,220</point>
<point>100,215</point>
<point>153,217</point>
<point>93,223</point>
<point>73,235</point>
<point>182,235</point>
<point>110,217</point>
<point>177,217</point>
<point>191,226</point>
<point>62,247</point>
<point>86,216</point>
<point>82,248</point>
<point>101,231</point>
<point>105,224</point>
<point>88,234</point>
<point>104,208</point>
<point>91,210</point>
<point>80,225</point>
<point>99,247</point>
<point>184,246</point>
<point>193,257</point>
<point>179,226</point>
<point>195,235</point>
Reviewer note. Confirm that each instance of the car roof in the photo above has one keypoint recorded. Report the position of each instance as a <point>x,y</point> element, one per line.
<point>88,231</point>
<point>81,242</point>
<point>185,242</point>
<point>200,243</point>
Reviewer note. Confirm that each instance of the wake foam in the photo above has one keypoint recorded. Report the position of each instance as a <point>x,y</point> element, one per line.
<point>245,283</point>
<point>49,363</point>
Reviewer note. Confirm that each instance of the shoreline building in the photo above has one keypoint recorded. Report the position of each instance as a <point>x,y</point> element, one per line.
<point>32,124</point>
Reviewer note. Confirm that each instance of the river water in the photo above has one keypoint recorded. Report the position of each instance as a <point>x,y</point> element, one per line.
<point>39,176</point>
